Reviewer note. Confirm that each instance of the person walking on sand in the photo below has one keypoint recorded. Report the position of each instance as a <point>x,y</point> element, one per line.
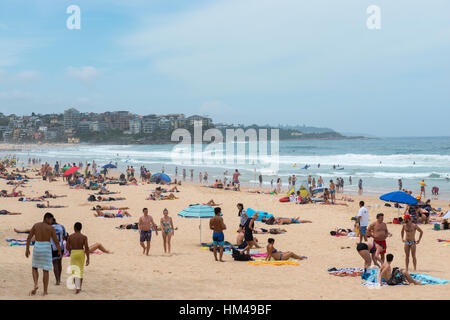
<point>78,247</point>
<point>61,234</point>
<point>42,253</point>
<point>145,226</point>
<point>410,229</point>
<point>217,225</point>
<point>167,230</point>
<point>363,220</point>
<point>378,230</point>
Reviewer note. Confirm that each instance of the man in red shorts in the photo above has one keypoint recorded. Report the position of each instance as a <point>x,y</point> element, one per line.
<point>378,230</point>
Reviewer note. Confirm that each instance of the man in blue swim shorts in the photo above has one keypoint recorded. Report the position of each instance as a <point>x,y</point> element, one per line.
<point>217,225</point>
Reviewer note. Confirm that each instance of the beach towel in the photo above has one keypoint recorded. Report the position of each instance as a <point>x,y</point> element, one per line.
<point>274,263</point>
<point>42,255</point>
<point>261,214</point>
<point>346,272</point>
<point>16,240</point>
<point>443,240</point>
<point>426,279</point>
<point>20,243</point>
<point>77,259</point>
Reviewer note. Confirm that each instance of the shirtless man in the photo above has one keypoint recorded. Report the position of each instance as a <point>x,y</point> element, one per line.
<point>410,240</point>
<point>217,225</point>
<point>42,253</point>
<point>378,230</point>
<point>386,272</point>
<point>78,247</point>
<point>145,226</point>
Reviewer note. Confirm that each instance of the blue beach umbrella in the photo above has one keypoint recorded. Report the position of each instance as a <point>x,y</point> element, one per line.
<point>199,211</point>
<point>109,166</point>
<point>399,197</point>
<point>164,177</point>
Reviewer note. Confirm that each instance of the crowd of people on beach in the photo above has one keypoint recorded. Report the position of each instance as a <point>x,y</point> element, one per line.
<point>51,241</point>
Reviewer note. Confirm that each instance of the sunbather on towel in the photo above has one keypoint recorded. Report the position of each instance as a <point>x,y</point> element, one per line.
<point>100,198</point>
<point>388,277</point>
<point>41,205</point>
<point>119,214</point>
<point>8,213</point>
<point>109,208</point>
<point>278,255</point>
<point>273,220</point>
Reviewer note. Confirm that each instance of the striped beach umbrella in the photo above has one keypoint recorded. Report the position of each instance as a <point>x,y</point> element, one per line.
<point>199,211</point>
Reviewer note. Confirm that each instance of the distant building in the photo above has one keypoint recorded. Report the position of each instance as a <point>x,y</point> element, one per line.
<point>206,122</point>
<point>135,126</point>
<point>71,119</point>
<point>149,123</point>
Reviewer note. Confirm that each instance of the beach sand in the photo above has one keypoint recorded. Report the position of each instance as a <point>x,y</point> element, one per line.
<point>191,272</point>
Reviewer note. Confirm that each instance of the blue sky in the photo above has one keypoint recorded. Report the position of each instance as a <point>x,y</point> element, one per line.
<point>239,61</point>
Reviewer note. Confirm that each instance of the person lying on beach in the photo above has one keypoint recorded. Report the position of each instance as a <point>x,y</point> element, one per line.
<point>25,199</point>
<point>99,207</point>
<point>119,214</point>
<point>100,198</point>
<point>273,220</point>
<point>50,195</point>
<point>154,196</point>
<point>347,199</point>
<point>278,255</point>
<point>48,205</point>
<point>340,232</point>
<point>8,213</point>
<point>396,277</point>
<point>271,231</point>
<point>13,193</point>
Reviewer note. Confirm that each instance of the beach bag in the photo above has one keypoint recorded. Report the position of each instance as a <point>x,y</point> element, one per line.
<point>397,277</point>
<point>437,226</point>
<point>238,256</point>
<point>395,221</point>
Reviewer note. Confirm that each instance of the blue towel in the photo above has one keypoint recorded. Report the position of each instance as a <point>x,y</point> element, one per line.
<point>426,279</point>
<point>261,214</point>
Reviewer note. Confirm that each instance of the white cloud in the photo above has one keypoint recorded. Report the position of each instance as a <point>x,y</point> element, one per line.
<point>85,74</point>
<point>27,76</point>
<point>15,95</point>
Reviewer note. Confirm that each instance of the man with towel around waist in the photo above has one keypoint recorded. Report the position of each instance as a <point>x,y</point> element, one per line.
<point>42,253</point>
<point>77,245</point>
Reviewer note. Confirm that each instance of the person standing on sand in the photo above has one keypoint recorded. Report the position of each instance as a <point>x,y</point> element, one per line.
<point>77,244</point>
<point>145,226</point>
<point>42,253</point>
<point>236,175</point>
<point>217,225</point>
<point>378,230</point>
<point>200,176</point>
<point>332,192</point>
<point>167,230</point>
<point>363,220</point>
<point>360,186</point>
<point>192,174</point>
<point>184,174</point>
<point>410,241</point>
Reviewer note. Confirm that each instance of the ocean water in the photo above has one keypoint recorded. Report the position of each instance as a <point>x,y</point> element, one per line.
<point>379,162</point>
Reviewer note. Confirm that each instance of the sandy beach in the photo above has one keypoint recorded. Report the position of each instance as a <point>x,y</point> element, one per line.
<point>191,272</point>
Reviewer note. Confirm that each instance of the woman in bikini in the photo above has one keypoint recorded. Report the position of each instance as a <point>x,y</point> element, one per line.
<point>278,255</point>
<point>167,230</point>
<point>367,251</point>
